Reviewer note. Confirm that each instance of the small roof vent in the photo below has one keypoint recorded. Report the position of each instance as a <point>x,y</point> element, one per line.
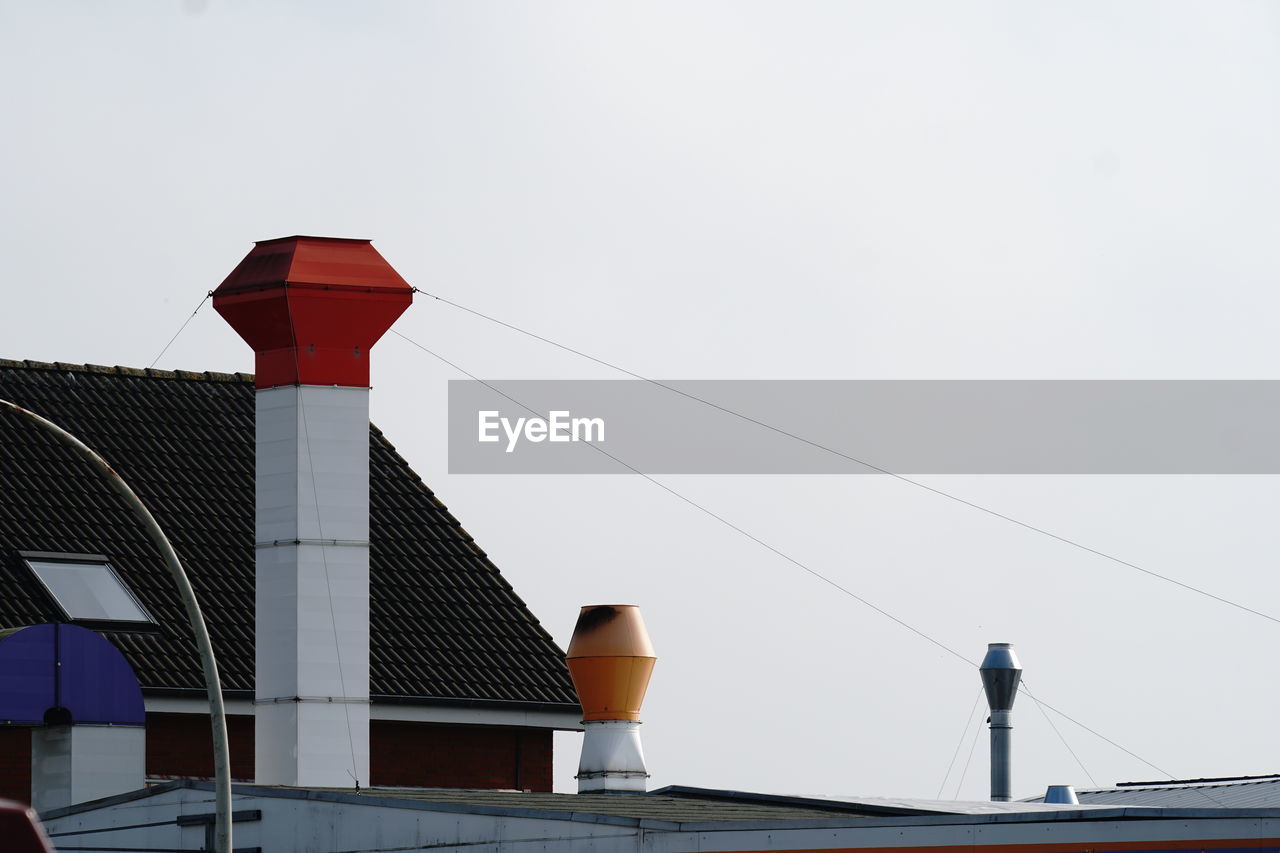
<point>1064,794</point>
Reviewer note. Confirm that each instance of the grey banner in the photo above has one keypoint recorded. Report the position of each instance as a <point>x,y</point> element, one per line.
<point>864,427</point>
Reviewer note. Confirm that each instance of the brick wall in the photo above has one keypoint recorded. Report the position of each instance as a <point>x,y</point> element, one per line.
<point>402,753</point>
<point>15,763</point>
<point>441,756</point>
<point>180,746</point>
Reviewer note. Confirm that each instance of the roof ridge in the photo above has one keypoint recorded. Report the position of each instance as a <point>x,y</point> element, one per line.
<point>119,370</point>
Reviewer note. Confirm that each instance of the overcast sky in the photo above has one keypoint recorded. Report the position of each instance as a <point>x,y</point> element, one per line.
<point>737,190</point>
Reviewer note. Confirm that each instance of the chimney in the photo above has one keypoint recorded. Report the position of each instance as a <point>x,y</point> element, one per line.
<point>311,308</point>
<point>610,659</point>
<point>1001,673</point>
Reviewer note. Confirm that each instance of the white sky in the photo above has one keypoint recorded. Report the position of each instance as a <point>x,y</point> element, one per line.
<point>735,190</point>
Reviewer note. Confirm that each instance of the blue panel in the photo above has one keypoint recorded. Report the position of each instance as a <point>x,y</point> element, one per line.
<point>98,685</point>
<point>94,683</point>
<point>26,675</point>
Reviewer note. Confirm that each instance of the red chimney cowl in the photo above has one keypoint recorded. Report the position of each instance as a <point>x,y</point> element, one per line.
<point>311,308</point>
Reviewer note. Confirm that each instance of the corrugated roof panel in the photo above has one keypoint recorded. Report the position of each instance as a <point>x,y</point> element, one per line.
<point>1244,794</point>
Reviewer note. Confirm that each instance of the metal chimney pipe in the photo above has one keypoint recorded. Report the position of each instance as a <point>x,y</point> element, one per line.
<point>1001,673</point>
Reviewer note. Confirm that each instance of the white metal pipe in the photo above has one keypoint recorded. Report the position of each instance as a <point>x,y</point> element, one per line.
<point>217,714</point>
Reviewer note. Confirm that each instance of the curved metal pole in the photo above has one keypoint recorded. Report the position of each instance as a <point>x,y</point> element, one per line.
<point>217,714</point>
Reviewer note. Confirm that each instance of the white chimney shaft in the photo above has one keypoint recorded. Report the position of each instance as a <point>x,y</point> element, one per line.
<point>312,538</point>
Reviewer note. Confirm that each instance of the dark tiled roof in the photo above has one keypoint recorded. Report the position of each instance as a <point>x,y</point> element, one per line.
<point>445,624</point>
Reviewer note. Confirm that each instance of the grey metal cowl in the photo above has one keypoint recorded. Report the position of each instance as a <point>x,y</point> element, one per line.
<point>1001,674</point>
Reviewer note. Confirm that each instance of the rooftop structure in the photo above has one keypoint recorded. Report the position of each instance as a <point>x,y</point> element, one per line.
<point>345,601</point>
<point>451,642</point>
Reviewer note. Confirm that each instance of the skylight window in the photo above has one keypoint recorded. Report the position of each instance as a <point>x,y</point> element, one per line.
<point>86,588</point>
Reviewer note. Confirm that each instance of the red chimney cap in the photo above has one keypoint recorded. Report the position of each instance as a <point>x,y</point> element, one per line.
<point>339,261</point>
<point>312,307</point>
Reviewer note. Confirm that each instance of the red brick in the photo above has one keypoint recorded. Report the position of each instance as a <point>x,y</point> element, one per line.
<point>180,746</point>
<point>442,756</point>
<point>15,763</point>
<point>411,754</point>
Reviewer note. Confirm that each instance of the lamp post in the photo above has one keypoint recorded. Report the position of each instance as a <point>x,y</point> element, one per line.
<point>217,713</point>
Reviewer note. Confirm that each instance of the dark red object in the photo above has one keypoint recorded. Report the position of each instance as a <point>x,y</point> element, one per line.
<point>409,754</point>
<point>21,830</point>
<point>180,746</point>
<point>311,308</point>
<point>442,756</point>
<point>15,763</point>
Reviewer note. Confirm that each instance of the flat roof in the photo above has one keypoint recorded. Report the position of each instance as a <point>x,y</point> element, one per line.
<point>692,809</point>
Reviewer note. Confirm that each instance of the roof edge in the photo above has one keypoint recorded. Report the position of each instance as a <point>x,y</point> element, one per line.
<point>387,699</point>
<point>457,701</point>
<point>835,806</point>
<point>118,370</point>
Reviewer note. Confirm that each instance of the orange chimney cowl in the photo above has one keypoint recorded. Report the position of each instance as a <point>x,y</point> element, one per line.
<point>610,660</point>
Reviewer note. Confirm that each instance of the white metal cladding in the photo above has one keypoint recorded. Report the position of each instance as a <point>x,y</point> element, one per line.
<point>612,757</point>
<point>307,591</point>
<point>312,589</point>
<point>75,764</point>
<point>332,444</point>
<point>310,740</point>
